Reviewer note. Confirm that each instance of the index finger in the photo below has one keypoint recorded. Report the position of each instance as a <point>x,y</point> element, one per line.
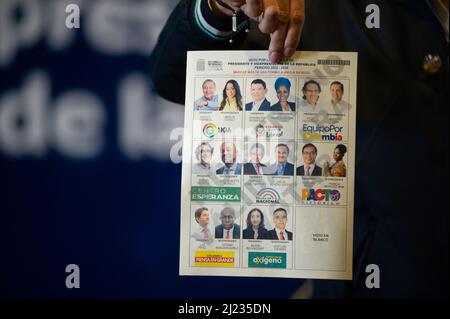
<point>269,20</point>
<point>278,37</point>
<point>252,8</point>
<point>296,21</point>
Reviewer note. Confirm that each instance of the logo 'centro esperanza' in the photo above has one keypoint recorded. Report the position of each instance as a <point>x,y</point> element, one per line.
<point>210,129</point>
<point>268,195</point>
<point>215,194</point>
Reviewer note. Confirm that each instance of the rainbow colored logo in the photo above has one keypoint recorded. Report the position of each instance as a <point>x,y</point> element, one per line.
<point>268,195</point>
<point>210,129</point>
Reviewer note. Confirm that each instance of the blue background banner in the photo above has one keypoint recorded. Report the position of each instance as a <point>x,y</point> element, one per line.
<point>90,158</point>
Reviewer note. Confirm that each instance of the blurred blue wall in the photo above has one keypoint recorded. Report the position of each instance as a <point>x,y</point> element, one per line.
<point>85,165</point>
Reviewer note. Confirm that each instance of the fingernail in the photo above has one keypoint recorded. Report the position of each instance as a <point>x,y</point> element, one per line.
<point>274,57</point>
<point>289,51</point>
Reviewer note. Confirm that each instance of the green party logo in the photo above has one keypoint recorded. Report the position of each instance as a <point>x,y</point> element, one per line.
<point>215,194</point>
<point>266,260</point>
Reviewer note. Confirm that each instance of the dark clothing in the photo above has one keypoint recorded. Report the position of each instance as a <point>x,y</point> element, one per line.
<point>401,215</point>
<point>317,171</point>
<point>288,169</point>
<point>277,107</point>
<point>272,234</point>
<point>218,234</point>
<point>249,169</point>
<point>265,106</point>
<point>249,233</point>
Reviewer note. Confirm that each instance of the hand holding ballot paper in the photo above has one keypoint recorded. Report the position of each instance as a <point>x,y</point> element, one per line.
<point>345,198</point>
<point>308,217</point>
<point>282,19</point>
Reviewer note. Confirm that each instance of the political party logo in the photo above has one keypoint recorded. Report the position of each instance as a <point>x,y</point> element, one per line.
<point>214,258</point>
<point>268,195</point>
<point>269,130</point>
<point>215,194</point>
<point>322,132</point>
<point>320,196</point>
<point>266,260</point>
<point>210,130</point>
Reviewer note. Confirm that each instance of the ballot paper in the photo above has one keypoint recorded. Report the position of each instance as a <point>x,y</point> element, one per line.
<point>268,165</point>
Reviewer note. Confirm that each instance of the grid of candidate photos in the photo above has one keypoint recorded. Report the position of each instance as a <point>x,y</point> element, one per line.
<point>267,153</point>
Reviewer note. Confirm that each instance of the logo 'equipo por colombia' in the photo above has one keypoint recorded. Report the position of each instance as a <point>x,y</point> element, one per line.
<point>322,133</point>
<point>319,195</point>
<point>268,195</point>
<point>210,130</point>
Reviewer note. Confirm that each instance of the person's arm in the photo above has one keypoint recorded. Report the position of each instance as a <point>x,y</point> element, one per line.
<point>213,104</point>
<point>199,103</point>
<point>191,26</point>
<point>206,25</point>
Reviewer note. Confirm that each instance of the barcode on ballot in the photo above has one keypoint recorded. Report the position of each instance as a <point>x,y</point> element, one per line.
<point>333,62</point>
